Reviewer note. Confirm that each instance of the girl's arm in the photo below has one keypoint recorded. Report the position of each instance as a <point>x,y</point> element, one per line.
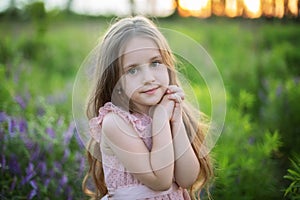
<point>153,168</point>
<point>187,166</point>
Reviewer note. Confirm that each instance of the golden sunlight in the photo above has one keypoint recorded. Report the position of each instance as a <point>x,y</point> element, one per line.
<point>293,7</point>
<point>195,8</point>
<point>235,8</point>
<point>253,8</point>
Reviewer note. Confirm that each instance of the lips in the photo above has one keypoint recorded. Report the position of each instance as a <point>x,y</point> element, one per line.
<point>150,91</point>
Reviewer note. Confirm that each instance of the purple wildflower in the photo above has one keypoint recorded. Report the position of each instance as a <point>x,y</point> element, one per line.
<point>46,182</point>
<point>33,184</point>
<point>35,152</point>
<point>28,143</point>
<point>20,101</point>
<point>63,181</point>
<point>42,167</point>
<point>69,193</point>
<point>34,190</point>
<point>51,173</point>
<point>57,166</point>
<point>22,126</point>
<point>30,173</point>
<point>13,165</point>
<point>50,132</point>
<point>69,133</point>
<point>11,127</point>
<point>3,117</point>
<point>13,184</point>
<point>66,154</point>
<point>32,194</point>
<point>81,159</point>
<point>79,140</point>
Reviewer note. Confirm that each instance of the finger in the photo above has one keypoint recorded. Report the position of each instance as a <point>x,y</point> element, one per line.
<point>175,89</point>
<point>175,97</point>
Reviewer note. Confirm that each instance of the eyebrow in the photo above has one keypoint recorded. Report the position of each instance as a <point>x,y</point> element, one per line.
<point>131,65</point>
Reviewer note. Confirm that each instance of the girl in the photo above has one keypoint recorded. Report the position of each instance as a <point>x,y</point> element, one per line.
<point>145,142</point>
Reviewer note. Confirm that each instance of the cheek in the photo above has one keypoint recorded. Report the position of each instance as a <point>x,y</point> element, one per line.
<point>164,77</point>
<point>130,86</point>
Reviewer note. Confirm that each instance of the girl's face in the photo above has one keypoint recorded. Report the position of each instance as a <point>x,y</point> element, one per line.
<point>145,76</point>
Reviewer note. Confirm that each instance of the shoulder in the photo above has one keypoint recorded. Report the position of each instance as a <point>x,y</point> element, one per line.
<point>113,124</point>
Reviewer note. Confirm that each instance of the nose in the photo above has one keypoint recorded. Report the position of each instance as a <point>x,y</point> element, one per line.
<point>148,75</point>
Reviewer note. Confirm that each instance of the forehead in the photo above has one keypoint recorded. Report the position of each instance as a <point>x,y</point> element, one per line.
<point>139,49</point>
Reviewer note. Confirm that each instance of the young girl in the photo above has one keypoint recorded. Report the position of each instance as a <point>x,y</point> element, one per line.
<point>145,142</point>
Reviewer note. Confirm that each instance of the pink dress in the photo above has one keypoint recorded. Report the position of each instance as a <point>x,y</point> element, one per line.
<point>118,180</point>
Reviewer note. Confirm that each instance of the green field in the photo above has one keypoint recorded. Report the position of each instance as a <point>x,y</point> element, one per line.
<point>259,62</point>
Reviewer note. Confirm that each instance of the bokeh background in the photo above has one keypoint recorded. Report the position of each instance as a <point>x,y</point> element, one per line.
<point>255,45</point>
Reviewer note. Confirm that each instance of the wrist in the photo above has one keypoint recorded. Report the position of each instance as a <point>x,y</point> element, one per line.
<point>176,125</point>
<point>160,112</point>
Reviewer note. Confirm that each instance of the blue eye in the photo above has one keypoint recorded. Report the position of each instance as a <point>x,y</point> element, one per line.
<point>132,71</point>
<point>155,63</point>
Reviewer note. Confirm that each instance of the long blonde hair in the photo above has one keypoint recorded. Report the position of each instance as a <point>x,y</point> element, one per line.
<point>108,72</point>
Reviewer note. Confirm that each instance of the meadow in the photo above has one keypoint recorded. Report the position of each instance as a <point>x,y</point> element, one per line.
<point>256,157</point>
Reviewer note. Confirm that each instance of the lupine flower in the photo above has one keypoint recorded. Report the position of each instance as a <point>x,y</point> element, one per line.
<point>13,165</point>
<point>11,127</point>
<point>40,170</point>
<point>57,166</point>
<point>13,184</point>
<point>32,193</point>
<point>66,154</point>
<point>35,153</point>
<point>33,184</point>
<point>3,117</point>
<point>69,193</point>
<point>28,143</point>
<point>81,160</point>
<point>42,166</point>
<point>68,134</point>
<point>51,173</point>
<point>20,101</point>
<point>79,140</point>
<point>22,126</point>
<point>34,190</point>
<point>63,181</point>
<point>50,132</point>
<point>30,173</point>
<point>46,182</point>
